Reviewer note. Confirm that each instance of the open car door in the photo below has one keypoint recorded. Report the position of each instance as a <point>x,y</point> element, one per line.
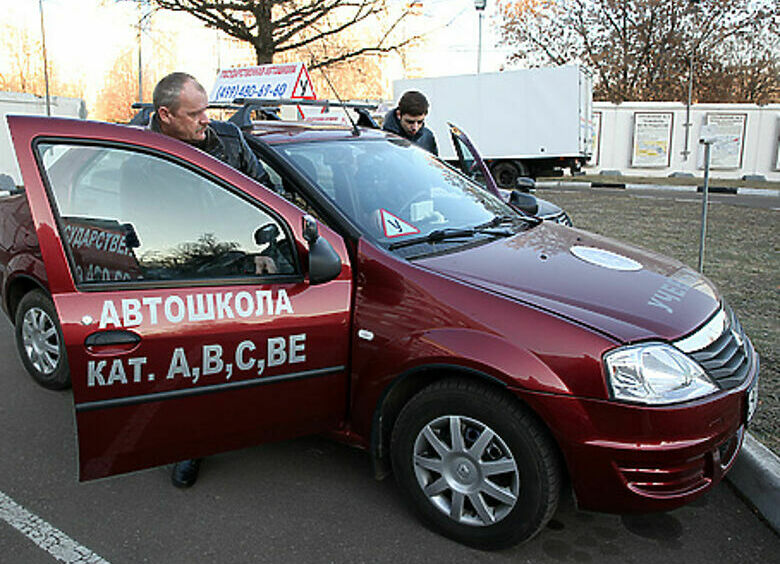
<point>470,162</point>
<point>181,286</point>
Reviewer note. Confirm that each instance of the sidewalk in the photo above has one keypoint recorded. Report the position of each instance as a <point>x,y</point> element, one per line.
<point>756,475</point>
<point>768,192</point>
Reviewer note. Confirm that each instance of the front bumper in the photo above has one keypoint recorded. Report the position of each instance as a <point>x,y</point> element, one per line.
<point>626,458</point>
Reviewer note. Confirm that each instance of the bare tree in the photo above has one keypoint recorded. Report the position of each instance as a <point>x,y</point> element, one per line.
<point>120,88</point>
<point>644,49</point>
<point>21,69</point>
<point>273,27</point>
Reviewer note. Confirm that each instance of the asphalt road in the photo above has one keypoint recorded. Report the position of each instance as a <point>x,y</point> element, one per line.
<point>307,500</point>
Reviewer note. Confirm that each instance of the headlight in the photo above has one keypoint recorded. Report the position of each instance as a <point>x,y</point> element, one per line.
<point>655,374</point>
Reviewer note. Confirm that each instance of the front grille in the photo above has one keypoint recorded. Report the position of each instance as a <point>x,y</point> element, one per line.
<point>562,218</point>
<point>727,357</point>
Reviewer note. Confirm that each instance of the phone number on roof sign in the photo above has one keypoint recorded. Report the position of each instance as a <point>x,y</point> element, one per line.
<point>265,90</point>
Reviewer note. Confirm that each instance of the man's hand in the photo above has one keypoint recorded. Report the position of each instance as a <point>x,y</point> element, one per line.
<point>265,265</point>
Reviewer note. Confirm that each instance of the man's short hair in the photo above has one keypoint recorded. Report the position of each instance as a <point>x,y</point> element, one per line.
<point>168,90</point>
<point>413,103</point>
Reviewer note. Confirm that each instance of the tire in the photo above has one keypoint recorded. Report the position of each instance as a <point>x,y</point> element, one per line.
<point>446,484</point>
<point>505,174</point>
<point>40,343</point>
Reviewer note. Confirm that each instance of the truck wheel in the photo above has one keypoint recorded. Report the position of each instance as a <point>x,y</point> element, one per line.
<point>475,465</point>
<point>506,173</point>
<point>40,343</point>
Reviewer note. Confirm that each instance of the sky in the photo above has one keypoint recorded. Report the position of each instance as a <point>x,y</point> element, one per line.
<point>452,47</point>
<point>84,37</point>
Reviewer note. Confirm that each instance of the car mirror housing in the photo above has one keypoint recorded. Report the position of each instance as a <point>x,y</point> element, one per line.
<point>131,237</point>
<point>7,183</point>
<point>310,229</point>
<point>525,184</point>
<point>324,262</point>
<point>525,202</point>
<point>266,234</point>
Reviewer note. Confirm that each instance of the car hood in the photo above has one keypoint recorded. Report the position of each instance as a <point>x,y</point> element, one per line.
<point>547,208</point>
<point>628,293</point>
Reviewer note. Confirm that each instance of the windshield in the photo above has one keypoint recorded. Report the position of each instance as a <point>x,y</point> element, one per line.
<point>396,192</point>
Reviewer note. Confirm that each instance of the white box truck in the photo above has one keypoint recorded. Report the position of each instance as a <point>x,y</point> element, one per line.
<point>24,103</point>
<point>532,122</point>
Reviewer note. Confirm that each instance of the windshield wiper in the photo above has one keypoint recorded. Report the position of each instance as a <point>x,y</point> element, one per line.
<point>532,219</point>
<point>496,221</point>
<point>435,236</point>
<point>438,235</point>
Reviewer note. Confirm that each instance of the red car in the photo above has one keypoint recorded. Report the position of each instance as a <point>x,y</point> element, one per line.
<point>376,294</point>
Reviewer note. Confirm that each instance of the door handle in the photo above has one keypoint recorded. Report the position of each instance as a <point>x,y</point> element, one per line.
<point>112,337</point>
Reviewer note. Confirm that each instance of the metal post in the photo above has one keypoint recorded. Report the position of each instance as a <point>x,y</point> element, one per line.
<point>692,9</point>
<point>140,65</point>
<point>688,123</point>
<point>706,190</point>
<point>479,45</point>
<point>45,63</point>
<point>480,7</point>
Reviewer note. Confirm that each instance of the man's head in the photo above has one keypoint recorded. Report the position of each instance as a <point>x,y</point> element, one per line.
<point>411,112</point>
<point>180,103</point>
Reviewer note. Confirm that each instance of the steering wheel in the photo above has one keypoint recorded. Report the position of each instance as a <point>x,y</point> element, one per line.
<point>405,209</point>
<point>224,263</point>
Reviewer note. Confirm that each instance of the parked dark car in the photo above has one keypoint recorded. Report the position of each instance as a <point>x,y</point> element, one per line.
<point>471,163</point>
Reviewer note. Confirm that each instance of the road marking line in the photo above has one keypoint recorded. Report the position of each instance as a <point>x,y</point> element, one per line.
<point>52,540</point>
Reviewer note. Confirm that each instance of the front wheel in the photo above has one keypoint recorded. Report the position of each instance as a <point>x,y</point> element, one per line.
<point>40,343</point>
<point>475,465</point>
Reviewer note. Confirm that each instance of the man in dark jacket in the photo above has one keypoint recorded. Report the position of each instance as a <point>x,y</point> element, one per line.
<point>408,120</point>
<point>180,104</point>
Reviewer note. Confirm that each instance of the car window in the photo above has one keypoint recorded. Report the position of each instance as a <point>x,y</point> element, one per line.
<point>469,163</point>
<point>392,189</point>
<point>132,216</point>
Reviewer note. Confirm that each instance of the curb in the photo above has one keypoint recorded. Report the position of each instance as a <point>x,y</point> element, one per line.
<point>756,475</point>
<point>768,192</point>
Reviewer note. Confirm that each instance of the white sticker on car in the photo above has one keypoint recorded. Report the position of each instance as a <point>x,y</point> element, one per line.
<point>394,226</point>
<point>211,364</point>
<point>669,292</point>
<point>132,312</point>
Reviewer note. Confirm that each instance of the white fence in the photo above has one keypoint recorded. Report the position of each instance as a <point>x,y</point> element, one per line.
<point>649,139</point>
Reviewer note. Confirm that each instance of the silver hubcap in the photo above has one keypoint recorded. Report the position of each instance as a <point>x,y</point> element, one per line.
<point>466,470</point>
<point>41,341</point>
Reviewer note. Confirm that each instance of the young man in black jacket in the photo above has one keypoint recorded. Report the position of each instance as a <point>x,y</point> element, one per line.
<point>408,120</point>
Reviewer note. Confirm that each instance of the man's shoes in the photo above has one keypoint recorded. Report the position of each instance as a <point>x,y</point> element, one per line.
<point>185,473</point>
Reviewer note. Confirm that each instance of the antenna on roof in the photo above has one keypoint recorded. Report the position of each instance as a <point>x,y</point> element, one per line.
<point>355,130</point>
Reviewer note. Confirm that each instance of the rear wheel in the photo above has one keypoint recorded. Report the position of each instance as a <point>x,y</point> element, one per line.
<point>40,343</point>
<point>475,465</point>
<point>505,173</point>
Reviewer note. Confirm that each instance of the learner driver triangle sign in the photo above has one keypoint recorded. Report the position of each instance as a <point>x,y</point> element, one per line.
<point>395,226</point>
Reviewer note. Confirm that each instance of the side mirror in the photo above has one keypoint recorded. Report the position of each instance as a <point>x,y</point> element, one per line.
<point>525,184</point>
<point>324,262</point>
<point>310,229</point>
<point>7,183</point>
<point>131,237</point>
<point>268,233</point>
<point>524,202</point>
